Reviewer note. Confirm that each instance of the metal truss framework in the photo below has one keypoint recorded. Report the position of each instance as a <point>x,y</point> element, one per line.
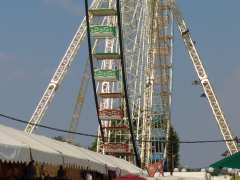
<point>147,45</point>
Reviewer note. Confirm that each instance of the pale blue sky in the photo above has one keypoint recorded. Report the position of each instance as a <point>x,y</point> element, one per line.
<point>35,34</point>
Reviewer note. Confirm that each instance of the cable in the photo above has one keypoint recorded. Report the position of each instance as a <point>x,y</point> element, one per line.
<point>196,141</point>
<point>46,127</point>
<point>95,136</point>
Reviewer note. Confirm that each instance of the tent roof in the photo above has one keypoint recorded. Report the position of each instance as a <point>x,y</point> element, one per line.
<point>232,161</point>
<point>39,152</point>
<point>12,150</point>
<point>16,145</point>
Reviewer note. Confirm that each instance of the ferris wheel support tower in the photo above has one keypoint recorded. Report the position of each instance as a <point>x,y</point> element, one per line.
<point>59,75</point>
<point>202,75</point>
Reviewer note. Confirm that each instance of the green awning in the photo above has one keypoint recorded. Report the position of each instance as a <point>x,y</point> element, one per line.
<point>232,161</point>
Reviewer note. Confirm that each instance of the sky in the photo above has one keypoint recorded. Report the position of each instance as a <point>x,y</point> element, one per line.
<point>35,34</point>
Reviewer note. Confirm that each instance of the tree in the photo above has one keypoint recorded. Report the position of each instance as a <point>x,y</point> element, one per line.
<point>172,150</point>
<point>93,146</point>
<point>59,138</point>
<point>62,139</point>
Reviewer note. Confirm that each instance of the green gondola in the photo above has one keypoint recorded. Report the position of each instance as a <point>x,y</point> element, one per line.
<point>106,75</point>
<point>99,31</point>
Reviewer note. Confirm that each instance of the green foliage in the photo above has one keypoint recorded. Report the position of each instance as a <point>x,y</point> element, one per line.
<point>93,146</point>
<point>59,138</point>
<point>172,149</point>
<point>62,139</point>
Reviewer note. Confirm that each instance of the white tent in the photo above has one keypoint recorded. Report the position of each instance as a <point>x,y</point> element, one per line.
<point>38,151</point>
<point>17,146</point>
<point>12,150</point>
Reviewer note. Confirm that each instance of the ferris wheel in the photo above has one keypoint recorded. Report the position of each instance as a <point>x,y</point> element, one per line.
<point>130,60</point>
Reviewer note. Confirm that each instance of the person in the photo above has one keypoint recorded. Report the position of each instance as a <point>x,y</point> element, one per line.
<point>30,170</point>
<point>61,173</point>
<point>1,169</point>
<point>42,172</point>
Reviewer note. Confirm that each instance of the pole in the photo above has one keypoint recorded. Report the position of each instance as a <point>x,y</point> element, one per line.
<point>172,161</point>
